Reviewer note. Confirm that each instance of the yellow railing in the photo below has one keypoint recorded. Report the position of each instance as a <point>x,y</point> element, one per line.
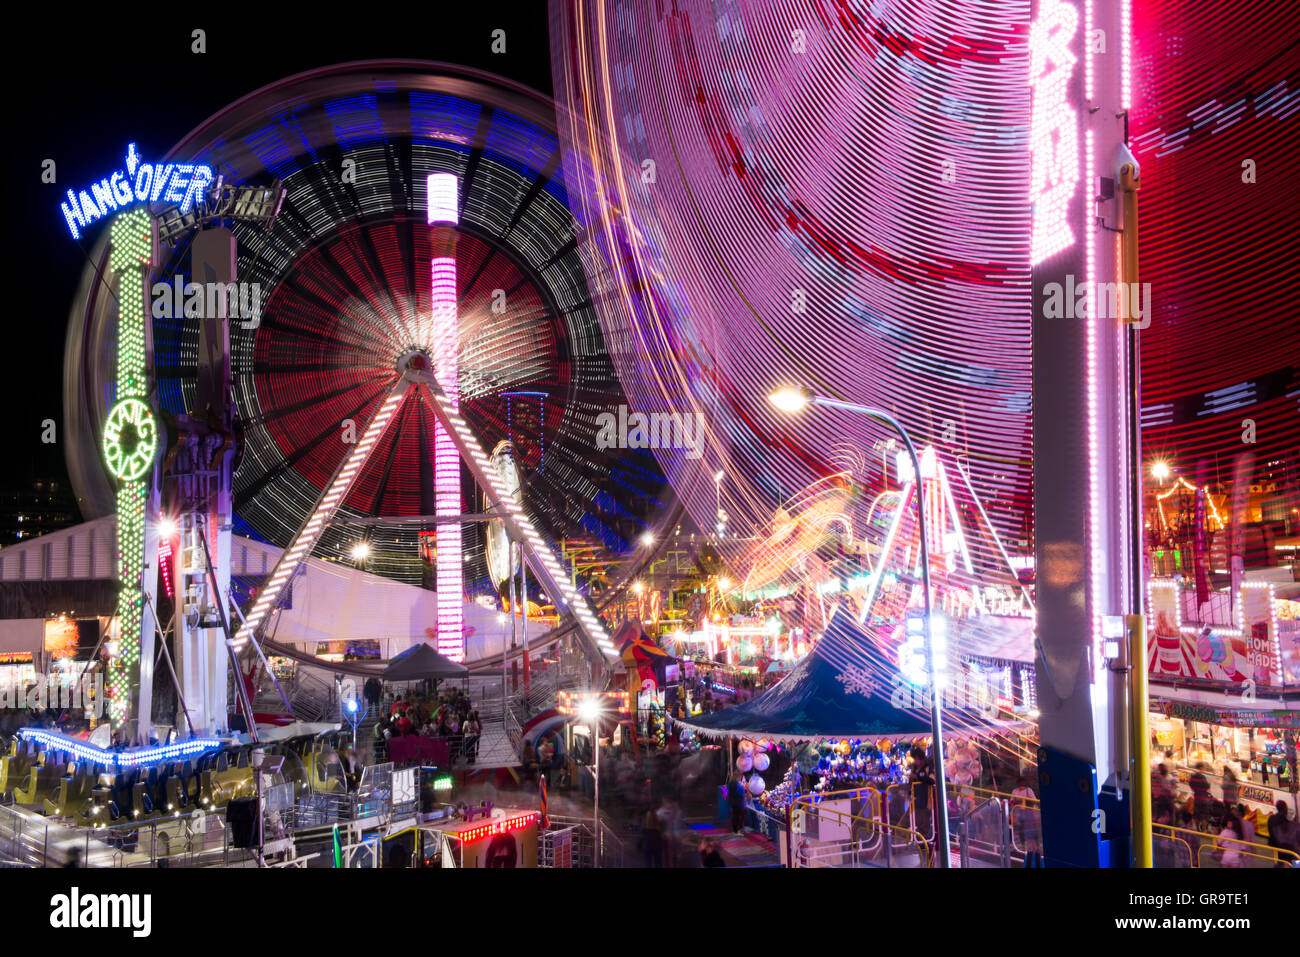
<point>1206,850</point>
<point>869,832</point>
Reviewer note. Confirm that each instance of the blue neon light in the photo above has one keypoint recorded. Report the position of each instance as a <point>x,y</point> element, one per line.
<point>124,759</point>
<point>176,183</point>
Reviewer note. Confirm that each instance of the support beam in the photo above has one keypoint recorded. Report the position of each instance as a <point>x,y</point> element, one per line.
<point>461,519</point>
<point>336,492</point>
<point>518,525</point>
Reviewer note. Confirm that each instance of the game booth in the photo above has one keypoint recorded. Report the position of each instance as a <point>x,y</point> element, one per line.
<point>825,754</point>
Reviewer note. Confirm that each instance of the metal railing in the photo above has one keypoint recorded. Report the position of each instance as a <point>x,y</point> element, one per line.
<point>199,837</point>
<point>547,840</point>
<point>1185,847</point>
<point>610,850</point>
<point>829,836</point>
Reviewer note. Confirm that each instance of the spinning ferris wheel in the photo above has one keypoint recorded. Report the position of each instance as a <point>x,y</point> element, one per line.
<point>345,283</point>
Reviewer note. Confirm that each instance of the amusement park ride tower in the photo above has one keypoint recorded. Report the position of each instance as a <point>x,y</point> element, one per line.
<point>1087,504</point>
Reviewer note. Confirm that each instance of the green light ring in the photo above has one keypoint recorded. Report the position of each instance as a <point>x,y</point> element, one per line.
<point>125,464</point>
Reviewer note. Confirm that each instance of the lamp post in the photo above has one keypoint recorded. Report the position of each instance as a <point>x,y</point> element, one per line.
<point>354,719</point>
<point>258,759</point>
<point>589,710</point>
<point>794,399</point>
<point>590,706</point>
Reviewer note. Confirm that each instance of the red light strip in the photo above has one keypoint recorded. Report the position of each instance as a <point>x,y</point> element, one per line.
<point>497,827</point>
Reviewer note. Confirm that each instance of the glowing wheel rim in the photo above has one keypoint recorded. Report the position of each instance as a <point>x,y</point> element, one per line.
<point>343,279</point>
<point>130,439</point>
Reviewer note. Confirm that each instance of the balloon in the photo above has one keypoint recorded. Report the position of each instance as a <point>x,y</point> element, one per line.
<point>744,763</point>
<point>884,744</point>
<point>761,762</point>
<point>756,785</point>
<point>746,747</point>
<point>764,744</point>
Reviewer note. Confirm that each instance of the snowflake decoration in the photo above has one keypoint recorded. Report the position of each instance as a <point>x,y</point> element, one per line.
<point>857,681</point>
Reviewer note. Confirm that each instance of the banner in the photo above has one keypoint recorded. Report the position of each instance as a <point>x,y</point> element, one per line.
<point>1252,651</point>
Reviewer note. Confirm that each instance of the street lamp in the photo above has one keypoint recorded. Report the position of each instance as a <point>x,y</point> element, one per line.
<point>590,706</point>
<point>589,710</point>
<point>257,759</point>
<point>354,719</point>
<point>794,399</point>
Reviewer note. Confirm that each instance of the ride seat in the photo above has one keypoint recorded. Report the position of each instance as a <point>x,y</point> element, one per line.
<point>41,782</point>
<point>14,768</point>
<point>73,793</point>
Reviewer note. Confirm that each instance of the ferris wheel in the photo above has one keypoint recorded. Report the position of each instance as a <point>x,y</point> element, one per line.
<point>343,285</point>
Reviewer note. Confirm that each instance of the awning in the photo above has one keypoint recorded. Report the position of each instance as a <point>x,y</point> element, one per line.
<point>420,662</point>
<point>843,688</point>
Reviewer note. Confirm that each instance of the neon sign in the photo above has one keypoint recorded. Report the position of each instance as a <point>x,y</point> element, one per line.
<point>130,442</point>
<point>176,183</point>
<point>130,439</point>
<point>1053,129</point>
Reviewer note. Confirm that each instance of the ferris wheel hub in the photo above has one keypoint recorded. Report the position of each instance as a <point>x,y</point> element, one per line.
<point>414,362</point>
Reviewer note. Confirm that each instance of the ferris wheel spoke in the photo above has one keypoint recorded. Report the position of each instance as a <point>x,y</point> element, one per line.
<point>335,493</point>
<point>520,526</point>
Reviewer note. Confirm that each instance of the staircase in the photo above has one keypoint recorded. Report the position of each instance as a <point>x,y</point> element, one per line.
<point>312,697</point>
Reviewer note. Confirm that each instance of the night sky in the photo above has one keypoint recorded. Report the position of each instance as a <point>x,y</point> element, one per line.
<point>146,86</point>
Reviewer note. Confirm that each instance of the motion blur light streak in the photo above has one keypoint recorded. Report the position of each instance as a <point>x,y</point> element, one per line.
<point>442,194</point>
<point>849,214</point>
<point>1216,126</point>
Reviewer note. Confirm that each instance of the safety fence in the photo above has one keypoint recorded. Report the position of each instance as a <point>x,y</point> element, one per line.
<point>204,838</point>
<point>846,829</point>
<point>585,850</point>
<point>1186,847</point>
<point>894,827</point>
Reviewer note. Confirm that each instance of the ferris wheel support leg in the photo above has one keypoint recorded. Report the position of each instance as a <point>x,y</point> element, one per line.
<point>516,520</point>
<point>149,588</point>
<point>336,492</point>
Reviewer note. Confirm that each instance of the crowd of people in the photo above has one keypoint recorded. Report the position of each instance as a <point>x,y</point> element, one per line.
<point>1197,809</point>
<point>450,716</point>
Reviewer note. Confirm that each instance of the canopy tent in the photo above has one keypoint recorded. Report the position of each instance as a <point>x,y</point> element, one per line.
<point>841,689</point>
<point>642,658</point>
<point>420,662</point>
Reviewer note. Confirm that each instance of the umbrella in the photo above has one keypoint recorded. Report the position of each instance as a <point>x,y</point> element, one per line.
<point>420,662</point>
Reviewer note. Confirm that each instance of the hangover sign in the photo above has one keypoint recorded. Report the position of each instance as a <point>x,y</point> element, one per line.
<point>179,184</point>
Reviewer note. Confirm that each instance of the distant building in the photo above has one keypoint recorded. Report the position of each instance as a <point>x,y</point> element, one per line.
<point>44,505</point>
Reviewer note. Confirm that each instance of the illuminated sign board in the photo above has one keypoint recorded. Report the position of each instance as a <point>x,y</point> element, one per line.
<point>1053,129</point>
<point>176,183</point>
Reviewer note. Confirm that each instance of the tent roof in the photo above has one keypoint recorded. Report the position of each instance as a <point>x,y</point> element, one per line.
<point>838,690</point>
<point>419,662</point>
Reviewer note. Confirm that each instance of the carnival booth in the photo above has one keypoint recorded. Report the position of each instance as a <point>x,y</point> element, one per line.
<point>486,837</point>
<point>646,666</point>
<point>850,731</point>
